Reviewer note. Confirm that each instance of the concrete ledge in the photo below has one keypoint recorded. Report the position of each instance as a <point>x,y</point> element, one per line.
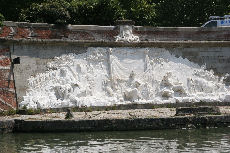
<point>182,29</point>
<point>46,25</point>
<point>115,120</point>
<point>90,27</point>
<point>97,27</point>
<point>122,124</point>
<point>133,106</point>
<point>88,43</point>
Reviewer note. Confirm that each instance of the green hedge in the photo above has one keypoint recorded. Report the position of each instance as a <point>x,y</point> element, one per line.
<point>106,12</point>
<point>53,11</point>
<point>100,12</point>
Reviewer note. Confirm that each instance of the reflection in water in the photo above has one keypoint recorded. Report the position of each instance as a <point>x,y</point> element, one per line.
<point>199,140</point>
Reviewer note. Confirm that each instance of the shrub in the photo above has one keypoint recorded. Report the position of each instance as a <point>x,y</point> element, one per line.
<point>140,11</point>
<point>50,11</point>
<point>1,19</point>
<point>100,12</point>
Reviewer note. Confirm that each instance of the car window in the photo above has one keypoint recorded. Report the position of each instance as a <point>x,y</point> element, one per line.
<point>211,24</point>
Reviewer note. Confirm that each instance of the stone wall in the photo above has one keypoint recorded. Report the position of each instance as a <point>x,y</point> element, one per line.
<point>7,92</point>
<point>24,30</point>
<point>34,58</point>
<point>181,122</point>
<point>38,43</point>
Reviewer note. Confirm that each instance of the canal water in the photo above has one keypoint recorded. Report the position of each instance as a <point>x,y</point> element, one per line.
<point>194,140</point>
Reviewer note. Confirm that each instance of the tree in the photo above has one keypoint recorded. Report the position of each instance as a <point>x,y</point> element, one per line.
<point>140,11</point>
<point>50,11</point>
<point>100,12</point>
<point>12,8</point>
<point>106,12</point>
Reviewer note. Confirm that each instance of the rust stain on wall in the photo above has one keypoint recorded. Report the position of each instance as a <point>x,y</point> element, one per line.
<point>7,88</point>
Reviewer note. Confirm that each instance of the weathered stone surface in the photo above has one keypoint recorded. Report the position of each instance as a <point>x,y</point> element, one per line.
<point>121,124</point>
<point>6,126</point>
<point>107,33</point>
<point>205,110</point>
<point>7,90</point>
<point>38,43</point>
<point>116,120</point>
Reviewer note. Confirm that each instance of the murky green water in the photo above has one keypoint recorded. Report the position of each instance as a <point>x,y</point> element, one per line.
<point>196,140</point>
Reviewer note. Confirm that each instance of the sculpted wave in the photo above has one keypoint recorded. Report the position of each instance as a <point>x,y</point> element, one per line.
<point>109,76</point>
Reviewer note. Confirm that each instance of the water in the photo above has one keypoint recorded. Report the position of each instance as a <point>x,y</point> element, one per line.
<point>195,140</point>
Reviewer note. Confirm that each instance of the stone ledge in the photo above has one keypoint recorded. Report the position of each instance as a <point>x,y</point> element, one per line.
<point>97,27</point>
<point>46,25</point>
<point>26,24</point>
<point>114,120</point>
<point>90,27</point>
<point>180,29</point>
<point>120,124</point>
<point>91,43</point>
<point>135,106</point>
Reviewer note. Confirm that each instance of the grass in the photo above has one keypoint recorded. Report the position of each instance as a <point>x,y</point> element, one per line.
<point>8,113</point>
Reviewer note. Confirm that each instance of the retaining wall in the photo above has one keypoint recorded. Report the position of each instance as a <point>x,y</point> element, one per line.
<point>20,125</point>
<point>38,43</point>
<point>24,30</point>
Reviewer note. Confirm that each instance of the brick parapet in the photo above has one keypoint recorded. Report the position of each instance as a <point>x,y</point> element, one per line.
<point>44,31</point>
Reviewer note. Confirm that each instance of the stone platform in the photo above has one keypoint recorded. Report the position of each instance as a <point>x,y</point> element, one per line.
<point>113,120</point>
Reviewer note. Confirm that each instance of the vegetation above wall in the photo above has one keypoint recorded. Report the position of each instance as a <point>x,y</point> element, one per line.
<point>1,19</point>
<point>106,12</point>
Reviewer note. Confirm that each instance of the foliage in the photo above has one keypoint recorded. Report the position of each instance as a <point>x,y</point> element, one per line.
<point>140,11</point>
<point>25,111</point>
<point>100,12</point>
<point>1,19</point>
<point>8,113</point>
<point>106,12</point>
<point>188,12</point>
<point>50,11</point>
<point>12,8</point>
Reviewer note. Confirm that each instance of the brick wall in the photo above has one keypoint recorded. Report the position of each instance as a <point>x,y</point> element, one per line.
<point>44,31</point>
<point>21,30</point>
<point>7,90</point>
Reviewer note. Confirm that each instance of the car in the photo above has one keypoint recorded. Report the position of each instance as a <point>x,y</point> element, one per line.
<point>217,21</point>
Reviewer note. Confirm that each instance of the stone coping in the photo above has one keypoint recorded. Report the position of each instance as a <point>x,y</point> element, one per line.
<point>135,106</point>
<point>97,27</point>
<point>89,43</point>
<point>96,35</point>
<point>46,25</point>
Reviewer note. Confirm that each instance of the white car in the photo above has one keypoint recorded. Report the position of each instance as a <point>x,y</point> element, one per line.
<point>216,21</point>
